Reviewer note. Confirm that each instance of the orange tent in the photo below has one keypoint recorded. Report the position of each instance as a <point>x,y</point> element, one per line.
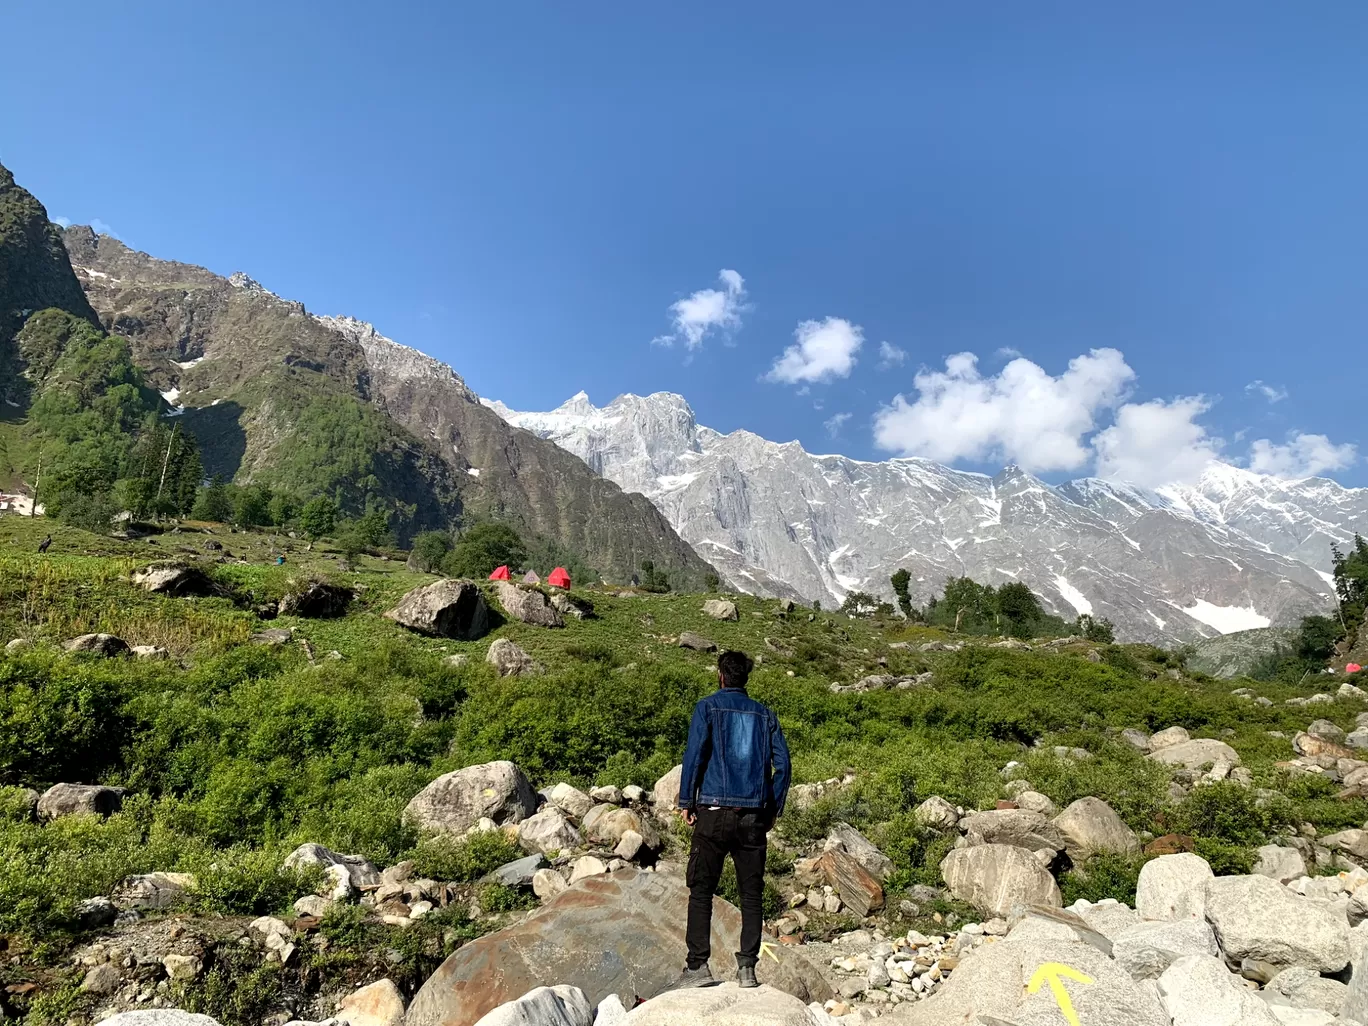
<point>558,578</point>
<point>500,574</point>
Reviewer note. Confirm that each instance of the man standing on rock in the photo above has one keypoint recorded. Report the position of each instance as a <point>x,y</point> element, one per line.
<point>734,783</point>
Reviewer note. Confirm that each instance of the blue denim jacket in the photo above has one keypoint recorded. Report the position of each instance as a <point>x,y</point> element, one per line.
<point>736,755</point>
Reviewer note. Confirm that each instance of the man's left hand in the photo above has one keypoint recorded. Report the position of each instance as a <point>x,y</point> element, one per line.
<point>689,816</point>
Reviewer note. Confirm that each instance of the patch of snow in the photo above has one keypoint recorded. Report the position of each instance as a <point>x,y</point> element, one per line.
<point>1009,573</point>
<point>674,482</point>
<point>473,471</point>
<point>1226,619</point>
<point>848,583</point>
<point>1327,578</point>
<point>171,396</point>
<point>1157,620</point>
<point>189,363</point>
<point>216,402</point>
<point>954,543</point>
<point>719,545</point>
<point>1072,595</point>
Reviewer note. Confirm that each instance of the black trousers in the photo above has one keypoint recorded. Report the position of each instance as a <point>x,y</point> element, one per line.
<point>718,833</point>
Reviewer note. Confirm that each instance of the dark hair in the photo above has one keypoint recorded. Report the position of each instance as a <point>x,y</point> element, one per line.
<point>735,668</point>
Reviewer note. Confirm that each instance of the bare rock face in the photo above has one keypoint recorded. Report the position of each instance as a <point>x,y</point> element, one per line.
<point>376,1004</point>
<point>665,794</point>
<point>1173,887</point>
<point>173,578</point>
<point>530,605</point>
<point>861,849</point>
<point>455,802</point>
<point>72,799</point>
<point>105,645</point>
<point>995,877</point>
<point>543,1006</point>
<point>619,933</point>
<point>1091,827</point>
<point>1258,918</point>
<point>726,1005</point>
<point>1195,754</point>
<point>449,608</point>
<point>859,891</point>
<point>1029,830</point>
<point>547,831</point>
<point>937,814</point>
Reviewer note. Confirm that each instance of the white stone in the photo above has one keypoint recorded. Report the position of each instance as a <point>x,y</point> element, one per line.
<point>1146,950</point>
<point>1173,887</point>
<point>1198,991</point>
<point>586,866</point>
<point>1257,918</point>
<point>545,1006</point>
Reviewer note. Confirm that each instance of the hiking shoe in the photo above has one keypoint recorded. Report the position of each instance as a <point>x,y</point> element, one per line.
<point>745,976</point>
<point>700,977</point>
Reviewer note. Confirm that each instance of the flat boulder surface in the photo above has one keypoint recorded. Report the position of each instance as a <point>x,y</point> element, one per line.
<point>1258,918</point>
<point>1029,830</point>
<point>997,877</point>
<point>620,934</point>
<point>455,802</point>
<point>1195,754</point>
<point>726,1005</point>
<point>992,985</point>
<point>449,608</point>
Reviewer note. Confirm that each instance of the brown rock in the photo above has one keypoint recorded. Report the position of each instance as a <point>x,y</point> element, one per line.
<point>860,892</point>
<point>1313,745</point>
<point>1170,844</point>
<point>611,934</point>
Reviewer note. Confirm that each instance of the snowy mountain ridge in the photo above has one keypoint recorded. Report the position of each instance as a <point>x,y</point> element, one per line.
<point>1234,551</point>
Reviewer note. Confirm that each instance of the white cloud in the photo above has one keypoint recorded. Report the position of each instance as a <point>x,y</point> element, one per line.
<point>1157,443</point>
<point>834,423</point>
<point>1273,395</point>
<point>100,228</point>
<point>891,356</point>
<point>1020,414</point>
<point>1303,456</point>
<point>65,222</point>
<point>707,311</point>
<point>825,350</point>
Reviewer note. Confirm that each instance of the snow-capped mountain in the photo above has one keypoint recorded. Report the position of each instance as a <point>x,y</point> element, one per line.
<point>1236,551</point>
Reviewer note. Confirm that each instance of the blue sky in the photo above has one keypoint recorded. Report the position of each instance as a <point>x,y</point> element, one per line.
<point>526,191</point>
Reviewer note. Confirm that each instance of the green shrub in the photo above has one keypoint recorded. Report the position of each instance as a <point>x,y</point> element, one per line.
<point>442,857</point>
<point>496,897</point>
<point>1103,876</point>
<point>1225,812</point>
<point>250,882</point>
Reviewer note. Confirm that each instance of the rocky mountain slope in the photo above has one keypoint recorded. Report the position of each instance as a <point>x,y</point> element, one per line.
<point>322,405</point>
<point>1236,552</point>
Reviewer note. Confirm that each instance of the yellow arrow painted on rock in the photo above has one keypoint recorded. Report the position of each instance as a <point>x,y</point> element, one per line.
<point>1054,973</point>
<point>766,948</point>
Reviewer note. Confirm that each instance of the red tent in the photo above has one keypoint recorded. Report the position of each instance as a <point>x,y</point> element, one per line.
<point>500,574</point>
<point>558,578</point>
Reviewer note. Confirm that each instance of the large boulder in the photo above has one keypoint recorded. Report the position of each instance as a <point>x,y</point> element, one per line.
<point>1090,827</point>
<point>570,800</point>
<point>345,874</point>
<point>617,934</point>
<point>860,891</point>
<point>449,608</point>
<point>455,802</point>
<point>1198,991</point>
<point>726,1005</point>
<point>1147,949</point>
<point>1196,754</point>
<point>721,609</point>
<point>543,1006</point>
<point>665,794</point>
<point>575,606</point>
<point>1018,827</point>
<point>1260,919</point>
<point>158,1017</point>
<point>530,605</point>
<point>1168,738</point>
<point>104,645</point>
<point>936,814</point>
<point>995,877</point>
<point>1283,864</point>
<point>549,830</point>
<point>1301,988</point>
<point>994,985</point>
<point>315,599</point>
<point>521,873</point>
<point>377,1004</point>
<point>859,847</point>
<point>610,824</point>
<point>72,799</point>
<point>508,659</point>
<point>697,642</point>
<point>174,578</point>
<point>153,890</point>
<point>1173,887</point>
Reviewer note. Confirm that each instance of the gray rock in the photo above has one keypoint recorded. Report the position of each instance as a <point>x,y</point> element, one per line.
<point>1358,738</point>
<point>1137,739</point>
<point>1173,887</point>
<point>610,794</point>
<point>158,1017</point>
<point>1327,730</point>
<point>1017,827</point>
<point>530,605</point>
<point>102,980</point>
<point>665,794</point>
<point>1146,950</point>
<point>1303,988</point>
<point>720,609</point>
<point>726,1005</point>
<point>74,799</point>
<point>447,608</point>
<point>348,873</point>
<point>1168,738</point>
<point>998,877</point>
<point>1034,801</point>
<point>575,606</point>
<point>1196,754</point>
<point>1280,863</point>
<point>937,814</point>
<point>315,599</point>
<point>508,659</point>
<point>547,883</point>
<point>570,800</point>
<point>518,873</point>
<point>172,578</point>
<point>1198,991</point>
<point>94,913</point>
<point>17,645</point>
<point>104,645</point>
<point>610,1012</point>
<point>608,827</point>
<point>313,905</point>
<point>1036,923</point>
<point>991,987</point>
<point>150,652</point>
<point>548,831</point>
<point>273,637</point>
<point>153,890</point>
<point>1255,917</point>
<point>1109,918</point>
<point>688,639</point>
<point>455,802</point>
<point>861,849</point>
<point>1091,827</point>
<point>544,1006</point>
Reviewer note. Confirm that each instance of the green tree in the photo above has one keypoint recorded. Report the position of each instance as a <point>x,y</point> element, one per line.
<point>373,527</point>
<point>318,517</point>
<point>1018,609</point>
<point>283,509</point>
<point>711,581</point>
<point>900,580</point>
<point>860,603</point>
<point>214,503</point>
<point>653,580</point>
<point>429,549</point>
<point>482,548</point>
<point>1086,626</point>
<point>253,507</point>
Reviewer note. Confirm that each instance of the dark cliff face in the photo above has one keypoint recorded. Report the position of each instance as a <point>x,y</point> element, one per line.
<point>269,389</point>
<point>35,273</point>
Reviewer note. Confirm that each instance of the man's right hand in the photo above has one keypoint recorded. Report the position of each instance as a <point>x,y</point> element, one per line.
<point>689,816</point>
